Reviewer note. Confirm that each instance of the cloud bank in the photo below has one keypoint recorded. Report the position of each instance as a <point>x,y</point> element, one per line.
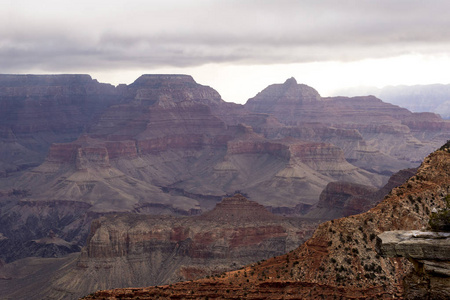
<point>108,35</point>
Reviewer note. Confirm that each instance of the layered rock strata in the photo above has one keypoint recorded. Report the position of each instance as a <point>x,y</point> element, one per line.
<point>167,145</point>
<point>341,199</point>
<point>137,250</point>
<point>341,258</point>
<point>384,129</point>
<point>37,110</point>
<point>430,254</point>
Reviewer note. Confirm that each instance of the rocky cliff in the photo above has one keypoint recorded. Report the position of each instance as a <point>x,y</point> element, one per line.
<point>385,129</point>
<point>341,199</point>
<point>37,110</point>
<point>340,260</point>
<point>168,145</point>
<point>137,250</point>
<point>430,254</point>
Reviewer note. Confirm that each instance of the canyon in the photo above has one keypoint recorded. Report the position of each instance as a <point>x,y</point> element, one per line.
<point>342,259</point>
<point>138,250</point>
<point>74,151</point>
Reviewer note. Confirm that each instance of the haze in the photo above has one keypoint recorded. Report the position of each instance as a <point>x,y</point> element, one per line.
<point>237,47</point>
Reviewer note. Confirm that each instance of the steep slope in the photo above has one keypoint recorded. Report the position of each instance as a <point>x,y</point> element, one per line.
<point>340,260</point>
<point>285,172</point>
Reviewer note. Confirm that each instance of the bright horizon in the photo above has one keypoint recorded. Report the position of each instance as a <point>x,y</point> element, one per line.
<point>239,83</point>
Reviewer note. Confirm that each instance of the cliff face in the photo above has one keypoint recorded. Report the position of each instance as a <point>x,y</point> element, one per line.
<point>385,129</point>
<point>341,199</point>
<point>341,258</point>
<point>168,89</point>
<point>37,110</point>
<point>138,250</point>
<point>430,255</point>
<point>168,145</point>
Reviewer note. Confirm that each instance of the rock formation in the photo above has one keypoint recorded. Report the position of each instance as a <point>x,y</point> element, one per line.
<point>37,110</point>
<point>384,129</point>
<point>75,150</point>
<point>163,136</point>
<point>341,199</point>
<point>138,250</point>
<point>340,260</point>
<point>430,254</point>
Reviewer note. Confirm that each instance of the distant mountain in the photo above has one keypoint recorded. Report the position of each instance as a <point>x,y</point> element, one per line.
<point>417,98</point>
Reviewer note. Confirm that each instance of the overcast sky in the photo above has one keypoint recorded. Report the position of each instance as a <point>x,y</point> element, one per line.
<point>237,47</point>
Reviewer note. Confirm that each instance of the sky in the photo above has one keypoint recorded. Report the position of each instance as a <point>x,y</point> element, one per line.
<point>236,47</point>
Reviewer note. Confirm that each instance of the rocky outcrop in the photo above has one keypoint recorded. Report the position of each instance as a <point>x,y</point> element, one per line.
<point>430,254</point>
<point>169,89</point>
<point>279,99</point>
<point>417,245</point>
<point>340,260</point>
<point>238,208</point>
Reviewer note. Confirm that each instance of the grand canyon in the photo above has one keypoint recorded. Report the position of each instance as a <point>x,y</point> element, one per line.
<point>162,181</point>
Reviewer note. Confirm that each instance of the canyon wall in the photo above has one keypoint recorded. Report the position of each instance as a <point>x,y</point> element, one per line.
<point>139,250</point>
<point>340,259</point>
<point>74,150</point>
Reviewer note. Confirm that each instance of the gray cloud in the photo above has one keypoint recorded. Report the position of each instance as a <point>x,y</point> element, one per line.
<point>101,35</point>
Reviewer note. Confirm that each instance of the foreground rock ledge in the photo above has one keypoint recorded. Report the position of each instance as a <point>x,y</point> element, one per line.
<point>430,254</point>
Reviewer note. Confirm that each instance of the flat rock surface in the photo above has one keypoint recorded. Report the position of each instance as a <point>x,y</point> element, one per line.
<point>415,244</point>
